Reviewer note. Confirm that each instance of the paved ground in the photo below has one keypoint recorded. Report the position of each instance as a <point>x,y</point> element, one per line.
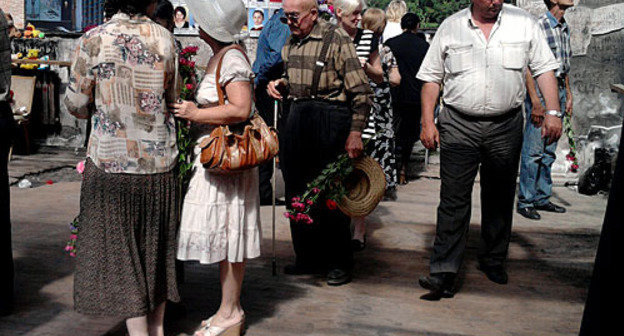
<point>550,265</point>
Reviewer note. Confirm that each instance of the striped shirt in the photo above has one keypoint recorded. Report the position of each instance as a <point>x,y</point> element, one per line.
<point>5,59</point>
<point>342,80</point>
<point>365,44</point>
<point>558,38</point>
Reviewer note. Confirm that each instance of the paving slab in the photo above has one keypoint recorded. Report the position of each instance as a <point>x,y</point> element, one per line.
<point>550,264</point>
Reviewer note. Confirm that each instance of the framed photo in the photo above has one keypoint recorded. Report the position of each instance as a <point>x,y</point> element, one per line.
<point>256,19</point>
<point>183,19</point>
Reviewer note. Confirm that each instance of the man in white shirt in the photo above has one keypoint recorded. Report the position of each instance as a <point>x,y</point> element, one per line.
<point>480,55</point>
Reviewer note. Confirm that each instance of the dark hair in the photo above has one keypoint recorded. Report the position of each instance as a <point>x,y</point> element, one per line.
<point>128,7</point>
<point>164,10</point>
<point>549,4</point>
<point>410,21</point>
<point>111,7</point>
<point>181,10</point>
<point>259,11</point>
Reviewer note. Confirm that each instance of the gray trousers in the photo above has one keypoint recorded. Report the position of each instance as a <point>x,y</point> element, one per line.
<point>469,145</point>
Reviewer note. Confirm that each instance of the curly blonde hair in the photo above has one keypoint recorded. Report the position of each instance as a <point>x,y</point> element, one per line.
<point>395,10</point>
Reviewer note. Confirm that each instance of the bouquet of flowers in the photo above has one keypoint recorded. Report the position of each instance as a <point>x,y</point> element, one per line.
<point>567,125</point>
<point>327,186</point>
<point>188,74</point>
<point>71,243</point>
<point>70,247</point>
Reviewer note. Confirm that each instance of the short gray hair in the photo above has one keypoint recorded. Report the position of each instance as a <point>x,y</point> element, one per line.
<point>348,6</point>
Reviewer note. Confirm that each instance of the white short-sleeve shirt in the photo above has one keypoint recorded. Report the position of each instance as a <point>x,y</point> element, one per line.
<point>486,77</point>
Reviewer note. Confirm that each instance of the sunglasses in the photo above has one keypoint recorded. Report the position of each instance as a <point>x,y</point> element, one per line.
<point>293,17</point>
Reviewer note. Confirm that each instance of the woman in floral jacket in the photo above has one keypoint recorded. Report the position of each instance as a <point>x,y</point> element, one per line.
<point>122,76</point>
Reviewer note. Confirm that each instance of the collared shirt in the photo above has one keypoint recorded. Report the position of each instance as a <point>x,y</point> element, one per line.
<point>342,79</point>
<point>558,38</point>
<point>127,67</point>
<point>268,63</point>
<point>486,77</point>
<point>5,59</point>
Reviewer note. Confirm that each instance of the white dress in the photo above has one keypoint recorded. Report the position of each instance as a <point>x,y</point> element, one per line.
<point>221,213</point>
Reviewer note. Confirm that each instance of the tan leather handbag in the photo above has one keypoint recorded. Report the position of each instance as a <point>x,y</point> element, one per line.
<point>231,148</point>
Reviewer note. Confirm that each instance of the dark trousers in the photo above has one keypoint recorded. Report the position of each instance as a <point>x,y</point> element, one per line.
<point>313,135</point>
<point>6,252</point>
<point>469,145</point>
<point>266,108</point>
<point>605,290</point>
<point>407,129</point>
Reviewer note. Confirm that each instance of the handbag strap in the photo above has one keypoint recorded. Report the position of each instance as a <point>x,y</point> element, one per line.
<point>220,92</point>
<point>320,63</point>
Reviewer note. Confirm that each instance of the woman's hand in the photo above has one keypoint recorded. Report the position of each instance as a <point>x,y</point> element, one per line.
<point>185,109</point>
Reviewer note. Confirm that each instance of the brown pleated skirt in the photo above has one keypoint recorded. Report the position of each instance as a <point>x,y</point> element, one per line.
<point>126,243</point>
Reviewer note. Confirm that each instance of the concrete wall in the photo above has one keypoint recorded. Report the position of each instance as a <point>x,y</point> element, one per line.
<point>598,48</point>
<point>16,9</point>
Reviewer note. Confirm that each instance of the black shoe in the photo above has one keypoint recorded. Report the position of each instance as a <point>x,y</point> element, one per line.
<point>294,269</point>
<point>358,245</point>
<point>551,207</point>
<point>440,285</point>
<point>529,213</point>
<point>338,277</point>
<point>496,274</point>
<point>278,202</point>
<point>390,195</point>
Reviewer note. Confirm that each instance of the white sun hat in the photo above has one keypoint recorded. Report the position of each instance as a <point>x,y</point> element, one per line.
<point>221,19</point>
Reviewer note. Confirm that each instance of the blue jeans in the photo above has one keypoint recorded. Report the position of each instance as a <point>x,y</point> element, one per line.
<point>536,161</point>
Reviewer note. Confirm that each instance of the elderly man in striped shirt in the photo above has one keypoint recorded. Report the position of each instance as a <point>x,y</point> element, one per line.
<point>330,99</point>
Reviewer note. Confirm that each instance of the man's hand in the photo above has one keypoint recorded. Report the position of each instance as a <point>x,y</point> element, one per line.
<point>274,89</point>
<point>568,107</point>
<point>354,145</point>
<point>537,114</point>
<point>429,135</point>
<point>551,128</point>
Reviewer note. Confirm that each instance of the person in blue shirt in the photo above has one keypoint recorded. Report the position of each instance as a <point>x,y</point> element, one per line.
<point>267,67</point>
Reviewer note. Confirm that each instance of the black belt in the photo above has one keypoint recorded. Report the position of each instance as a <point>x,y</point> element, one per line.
<point>510,113</point>
<point>319,100</point>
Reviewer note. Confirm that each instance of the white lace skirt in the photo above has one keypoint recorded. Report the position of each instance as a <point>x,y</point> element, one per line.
<point>220,217</point>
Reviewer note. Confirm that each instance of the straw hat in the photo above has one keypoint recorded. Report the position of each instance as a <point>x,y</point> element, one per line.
<point>366,186</point>
<point>221,19</point>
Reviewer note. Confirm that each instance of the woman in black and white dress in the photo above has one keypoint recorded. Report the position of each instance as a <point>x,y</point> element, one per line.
<point>348,15</point>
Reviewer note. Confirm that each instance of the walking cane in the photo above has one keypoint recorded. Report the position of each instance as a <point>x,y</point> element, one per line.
<point>273,182</point>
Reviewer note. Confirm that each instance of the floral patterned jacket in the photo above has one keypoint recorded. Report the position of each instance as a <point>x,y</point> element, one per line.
<point>122,76</point>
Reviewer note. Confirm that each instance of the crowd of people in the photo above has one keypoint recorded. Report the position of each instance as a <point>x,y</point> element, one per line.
<point>364,75</point>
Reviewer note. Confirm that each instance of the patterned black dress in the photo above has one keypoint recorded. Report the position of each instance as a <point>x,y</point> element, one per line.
<point>380,121</point>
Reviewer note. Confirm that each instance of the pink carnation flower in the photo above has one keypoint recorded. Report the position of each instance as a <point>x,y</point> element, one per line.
<point>80,167</point>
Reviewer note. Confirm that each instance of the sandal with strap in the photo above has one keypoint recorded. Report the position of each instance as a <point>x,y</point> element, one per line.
<point>212,330</point>
<point>206,323</point>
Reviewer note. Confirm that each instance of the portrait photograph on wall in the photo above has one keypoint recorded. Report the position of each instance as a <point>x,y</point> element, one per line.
<point>183,18</point>
<point>257,18</point>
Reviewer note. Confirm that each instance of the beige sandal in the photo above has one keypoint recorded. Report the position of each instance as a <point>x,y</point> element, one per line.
<point>211,330</point>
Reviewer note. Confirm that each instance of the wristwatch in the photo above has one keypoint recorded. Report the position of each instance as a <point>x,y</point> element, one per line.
<point>555,113</point>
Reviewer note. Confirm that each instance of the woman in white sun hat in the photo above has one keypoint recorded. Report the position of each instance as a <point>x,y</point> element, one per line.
<point>220,215</point>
